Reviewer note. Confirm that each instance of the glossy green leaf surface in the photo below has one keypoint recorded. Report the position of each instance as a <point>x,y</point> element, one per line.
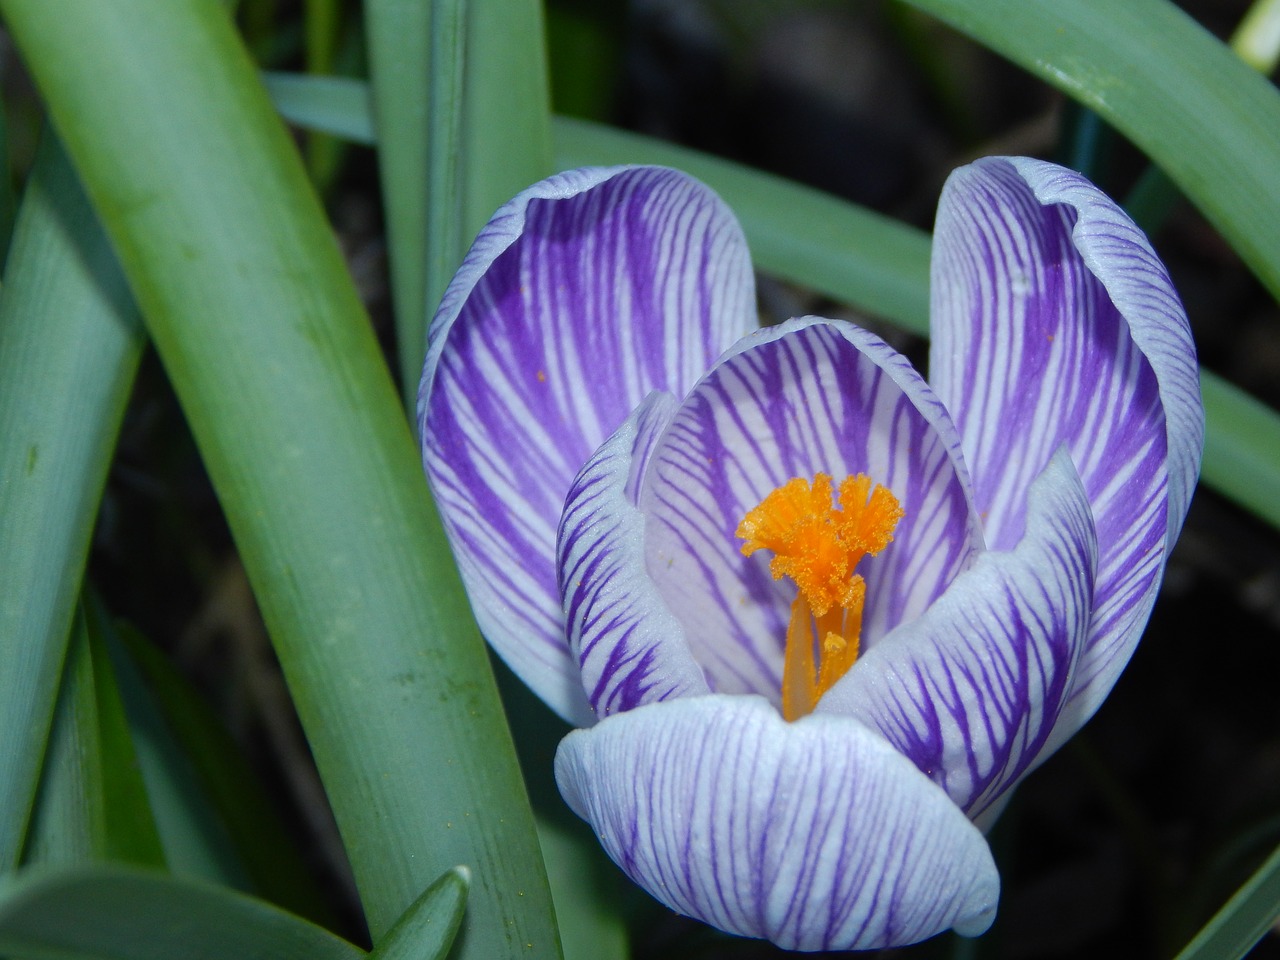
<point>1183,96</point>
<point>261,332</point>
<point>69,346</point>
<point>428,927</point>
<point>123,914</point>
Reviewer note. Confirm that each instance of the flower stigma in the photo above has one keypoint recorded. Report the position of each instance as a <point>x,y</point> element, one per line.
<point>818,545</point>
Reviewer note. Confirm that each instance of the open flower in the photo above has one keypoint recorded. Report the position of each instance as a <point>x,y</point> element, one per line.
<point>826,614</point>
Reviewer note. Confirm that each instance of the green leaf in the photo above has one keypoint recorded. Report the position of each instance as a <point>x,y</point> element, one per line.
<point>122,914</point>
<point>1181,95</point>
<point>261,331</point>
<point>69,346</point>
<point>93,803</point>
<point>506,126</point>
<point>194,841</point>
<point>131,831</point>
<point>416,65</point>
<point>1243,920</point>
<point>68,823</point>
<point>222,780</point>
<point>585,884</point>
<point>336,105</point>
<point>427,929</point>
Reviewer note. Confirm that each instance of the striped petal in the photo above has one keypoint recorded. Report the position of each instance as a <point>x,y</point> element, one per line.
<point>630,649</point>
<point>1055,324</point>
<point>582,295</point>
<point>972,691</point>
<point>807,396</point>
<point>817,835</point>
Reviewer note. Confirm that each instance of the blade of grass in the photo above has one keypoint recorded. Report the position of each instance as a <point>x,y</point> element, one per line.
<point>125,914</point>
<point>69,346</point>
<point>131,829</point>
<point>260,329</point>
<point>1243,920</point>
<point>1195,108</point>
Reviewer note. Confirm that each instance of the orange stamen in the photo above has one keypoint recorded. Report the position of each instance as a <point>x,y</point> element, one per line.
<point>818,546</point>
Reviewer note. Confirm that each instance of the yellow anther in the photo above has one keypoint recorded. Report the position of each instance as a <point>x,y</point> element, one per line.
<point>818,545</point>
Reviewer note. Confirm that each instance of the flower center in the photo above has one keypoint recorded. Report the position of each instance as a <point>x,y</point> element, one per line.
<point>817,545</point>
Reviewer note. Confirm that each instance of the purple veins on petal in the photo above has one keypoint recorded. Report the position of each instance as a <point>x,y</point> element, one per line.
<point>803,398</point>
<point>973,690</point>
<point>815,835</point>
<point>581,296</point>
<point>629,647</point>
<point>1054,323</point>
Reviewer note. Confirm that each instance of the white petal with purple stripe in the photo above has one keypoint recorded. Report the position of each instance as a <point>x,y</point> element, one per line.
<point>630,648</point>
<point>972,690</point>
<point>804,397</point>
<point>817,835</point>
<point>1054,323</point>
<point>582,295</point>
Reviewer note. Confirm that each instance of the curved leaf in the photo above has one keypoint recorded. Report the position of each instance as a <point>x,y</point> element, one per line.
<point>123,914</point>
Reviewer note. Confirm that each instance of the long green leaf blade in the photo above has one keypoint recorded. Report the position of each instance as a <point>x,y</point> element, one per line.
<point>115,913</point>
<point>68,823</point>
<point>239,802</point>
<point>260,329</point>
<point>506,125</point>
<point>416,66</point>
<point>69,346</point>
<point>1185,98</point>
<point>1243,920</point>
<point>335,105</point>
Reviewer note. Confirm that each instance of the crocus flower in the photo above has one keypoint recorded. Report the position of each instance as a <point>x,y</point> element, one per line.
<point>814,615</point>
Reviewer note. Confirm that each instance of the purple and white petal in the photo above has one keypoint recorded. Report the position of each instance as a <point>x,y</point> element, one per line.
<point>972,690</point>
<point>1054,323</point>
<point>582,295</point>
<point>630,649</point>
<point>816,835</point>
<point>804,397</point>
